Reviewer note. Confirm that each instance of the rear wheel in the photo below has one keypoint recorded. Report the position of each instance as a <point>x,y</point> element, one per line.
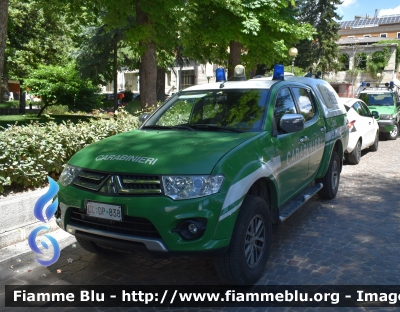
<point>355,156</point>
<point>251,240</point>
<point>392,135</point>
<point>374,147</point>
<point>331,179</point>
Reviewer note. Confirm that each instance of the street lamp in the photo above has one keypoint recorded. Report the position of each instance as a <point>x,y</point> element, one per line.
<point>293,53</point>
<point>378,77</point>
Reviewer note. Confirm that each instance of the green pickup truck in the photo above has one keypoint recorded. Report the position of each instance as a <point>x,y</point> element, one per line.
<point>386,101</point>
<point>212,172</point>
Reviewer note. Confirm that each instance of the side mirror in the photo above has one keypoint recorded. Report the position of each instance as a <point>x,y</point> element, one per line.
<point>292,123</point>
<point>375,114</point>
<point>143,117</point>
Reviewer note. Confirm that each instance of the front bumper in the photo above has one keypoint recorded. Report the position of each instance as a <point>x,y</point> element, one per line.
<point>386,125</point>
<point>160,213</point>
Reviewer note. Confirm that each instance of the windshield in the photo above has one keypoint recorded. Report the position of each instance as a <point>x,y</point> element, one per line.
<point>237,110</point>
<point>377,99</point>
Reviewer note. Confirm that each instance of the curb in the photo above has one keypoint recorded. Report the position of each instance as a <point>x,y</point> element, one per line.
<point>18,220</point>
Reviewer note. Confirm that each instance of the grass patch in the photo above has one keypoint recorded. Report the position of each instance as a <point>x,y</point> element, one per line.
<point>30,118</point>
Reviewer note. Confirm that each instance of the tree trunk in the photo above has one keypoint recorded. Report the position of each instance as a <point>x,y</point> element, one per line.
<point>42,108</point>
<point>3,38</point>
<point>22,102</point>
<point>115,69</point>
<point>148,64</point>
<point>160,84</point>
<point>235,51</point>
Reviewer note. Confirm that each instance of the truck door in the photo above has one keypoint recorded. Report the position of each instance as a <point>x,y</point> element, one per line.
<point>292,174</point>
<point>314,134</point>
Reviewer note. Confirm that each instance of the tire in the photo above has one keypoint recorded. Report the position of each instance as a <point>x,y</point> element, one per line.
<point>90,246</point>
<point>374,147</point>
<point>331,179</point>
<point>355,156</point>
<point>392,135</point>
<point>247,256</point>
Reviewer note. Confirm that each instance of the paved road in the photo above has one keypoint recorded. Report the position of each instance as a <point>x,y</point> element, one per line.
<point>352,239</point>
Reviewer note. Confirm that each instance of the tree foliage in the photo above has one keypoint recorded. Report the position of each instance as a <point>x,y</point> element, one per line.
<point>377,61</point>
<point>264,29</point>
<point>62,85</point>
<point>37,37</point>
<point>322,50</point>
<point>3,37</point>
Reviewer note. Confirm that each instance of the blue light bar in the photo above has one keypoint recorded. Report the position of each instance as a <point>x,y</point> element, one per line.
<point>391,84</point>
<point>362,83</point>
<point>279,72</point>
<point>220,74</point>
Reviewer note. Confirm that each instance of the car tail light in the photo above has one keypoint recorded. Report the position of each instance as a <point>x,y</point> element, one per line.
<point>351,125</point>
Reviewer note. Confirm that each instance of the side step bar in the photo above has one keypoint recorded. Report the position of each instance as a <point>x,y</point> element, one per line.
<point>289,208</point>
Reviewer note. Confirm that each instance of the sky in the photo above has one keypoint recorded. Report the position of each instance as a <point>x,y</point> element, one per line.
<point>350,8</point>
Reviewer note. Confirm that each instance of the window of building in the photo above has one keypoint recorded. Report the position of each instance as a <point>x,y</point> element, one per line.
<point>367,36</point>
<point>398,35</point>
<point>168,79</point>
<point>187,77</point>
<point>131,82</point>
<point>383,35</point>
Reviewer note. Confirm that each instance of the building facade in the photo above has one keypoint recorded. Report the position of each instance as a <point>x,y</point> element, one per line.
<point>385,26</point>
<point>176,78</point>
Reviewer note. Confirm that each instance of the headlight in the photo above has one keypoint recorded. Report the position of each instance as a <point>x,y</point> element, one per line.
<point>386,116</point>
<point>185,187</point>
<point>68,175</point>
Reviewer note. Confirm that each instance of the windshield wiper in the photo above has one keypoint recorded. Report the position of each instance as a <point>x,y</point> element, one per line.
<point>156,127</point>
<point>168,127</point>
<point>183,127</point>
<point>214,127</point>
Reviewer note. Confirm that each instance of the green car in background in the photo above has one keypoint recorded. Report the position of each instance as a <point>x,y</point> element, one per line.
<point>384,100</point>
<point>211,172</point>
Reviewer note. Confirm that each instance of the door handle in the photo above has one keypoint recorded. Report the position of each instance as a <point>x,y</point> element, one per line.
<point>323,129</point>
<point>303,139</point>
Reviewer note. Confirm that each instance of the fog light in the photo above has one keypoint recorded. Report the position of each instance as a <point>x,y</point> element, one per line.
<point>191,228</point>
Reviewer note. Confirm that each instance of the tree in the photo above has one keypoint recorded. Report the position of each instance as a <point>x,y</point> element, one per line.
<point>62,85</point>
<point>37,37</point>
<point>155,28</point>
<point>102,54</point>
<point>248,32</point>
<point>377,61</point>
<point>3,38</point>
<point>322,49</point>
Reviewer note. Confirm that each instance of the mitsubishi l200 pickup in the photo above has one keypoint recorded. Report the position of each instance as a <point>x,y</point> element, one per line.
<point>212,172</point>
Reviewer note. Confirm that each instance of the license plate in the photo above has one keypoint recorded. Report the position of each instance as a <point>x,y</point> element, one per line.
<point>105,211</point>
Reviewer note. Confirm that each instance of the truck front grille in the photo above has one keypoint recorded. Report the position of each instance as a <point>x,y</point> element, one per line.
<point>112,184</point>
<point>134,226</point>
<point>91,180</point>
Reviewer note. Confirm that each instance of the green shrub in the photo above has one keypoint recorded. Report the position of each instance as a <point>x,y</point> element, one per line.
<point>10,104</point>
<point>31,152</point>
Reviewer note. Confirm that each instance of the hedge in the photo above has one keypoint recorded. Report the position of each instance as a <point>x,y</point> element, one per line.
<point>29,153</point>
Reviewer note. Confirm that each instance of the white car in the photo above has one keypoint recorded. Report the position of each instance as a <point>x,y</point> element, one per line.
<point>363,129</point>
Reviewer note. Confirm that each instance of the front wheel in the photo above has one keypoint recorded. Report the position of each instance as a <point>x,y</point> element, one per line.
<point>247,256</point>
<point>331,179</point>
<point>392,135</point>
